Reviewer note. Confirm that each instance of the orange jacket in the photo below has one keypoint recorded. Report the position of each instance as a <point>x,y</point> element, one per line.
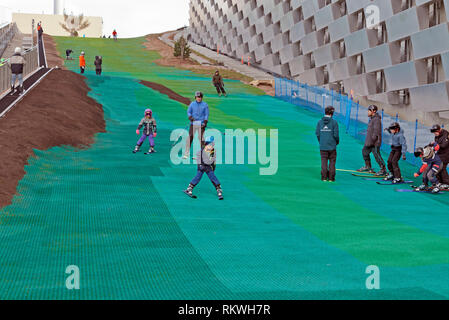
<point>82,61</point>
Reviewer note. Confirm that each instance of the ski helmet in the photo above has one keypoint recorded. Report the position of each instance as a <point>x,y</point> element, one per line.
<point>17,50</point>
<point>198,94</point>
<point>209,140</point>
<point>418,152</point>
<point>428,153</point>
<point>373,108</point>
<point>394,126</point>
<point>83,53</point>
<point>329,111</point>
<point>435,128</point>
<point>148,112</point>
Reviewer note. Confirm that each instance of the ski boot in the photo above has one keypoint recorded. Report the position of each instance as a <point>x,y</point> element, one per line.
<point>422,187</point>
<point>367,168</point>
<point>20,90</point>
<point>381,173</point>
<point>12,90</point>
<point>151,151</point>
<point>189,191</point>
<point>398,181</point>
<point>443,186</point>
<point>136,149</point>
<point>390,177</point>
<point>435,189</point>
<point>219,192</point>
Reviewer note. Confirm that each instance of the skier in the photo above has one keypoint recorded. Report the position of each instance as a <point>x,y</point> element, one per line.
<point>328,137</point>
<point>198,113</point>
<point>206,160</point>
<point>98,65</point>
<point>373,142</point>
<point>16,63</point>
<point>442,139</point>
<point>398,147</point>
<point>68,52</point>
<point>432,166</point>
<point>114,34</point>
<point>149,131</point>
<point>217,80</point>
<point>82,62</point>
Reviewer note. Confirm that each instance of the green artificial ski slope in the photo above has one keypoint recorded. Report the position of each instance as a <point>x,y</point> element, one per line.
<point>124,221</point>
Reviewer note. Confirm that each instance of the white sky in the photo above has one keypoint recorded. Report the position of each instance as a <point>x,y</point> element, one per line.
<point>131,18</point>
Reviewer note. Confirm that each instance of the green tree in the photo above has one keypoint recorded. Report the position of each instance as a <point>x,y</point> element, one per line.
<point>182,49</point>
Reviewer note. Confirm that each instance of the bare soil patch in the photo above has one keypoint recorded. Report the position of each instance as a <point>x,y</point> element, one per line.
<point>57,112</point>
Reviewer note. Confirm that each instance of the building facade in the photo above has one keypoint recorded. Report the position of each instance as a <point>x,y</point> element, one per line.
<point>395,52</point>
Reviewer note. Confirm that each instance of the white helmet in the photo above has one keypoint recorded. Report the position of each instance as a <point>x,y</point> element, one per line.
<point>82,53</point>
<point>18,50</point>
<point>428,153</point>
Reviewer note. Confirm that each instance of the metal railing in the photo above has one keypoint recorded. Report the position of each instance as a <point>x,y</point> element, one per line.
<point>32,64</point>
<point>7,33</point>
<point>351,114</point>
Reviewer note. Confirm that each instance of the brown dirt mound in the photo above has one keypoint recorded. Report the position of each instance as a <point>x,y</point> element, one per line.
<point>57,112</point>
<point>53,58</point>
<point>164,90</point>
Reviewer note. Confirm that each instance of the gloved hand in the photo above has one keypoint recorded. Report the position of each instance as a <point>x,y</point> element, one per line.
<point>138,132</point>
<point>154,135</point>
<point>404,157</point>
<point>416,175</point>
<point>204,125</point>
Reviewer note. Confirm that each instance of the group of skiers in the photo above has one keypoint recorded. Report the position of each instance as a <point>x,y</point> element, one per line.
<point>82,62</point>
<point>198,115</point>
<point>435,156</point>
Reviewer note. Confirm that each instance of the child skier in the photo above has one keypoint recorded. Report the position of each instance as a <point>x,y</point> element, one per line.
<point>432,166</point>
<point>82,62</point>
<point>149,131</point>
<point>206,160</point>
<point>398,147</point>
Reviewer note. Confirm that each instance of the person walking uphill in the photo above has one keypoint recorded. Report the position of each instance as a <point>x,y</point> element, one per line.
<point>198,113</point>
<point>327,132</point>
<point>16,64</point>
<point>373,142</point>
<point>442,139</point>
<point>217,80</point>
<point>82,62</point>
<point>98,65</point>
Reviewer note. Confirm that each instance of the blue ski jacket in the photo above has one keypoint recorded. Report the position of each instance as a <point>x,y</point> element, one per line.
<point>398,140</point>
<point>198,111</point>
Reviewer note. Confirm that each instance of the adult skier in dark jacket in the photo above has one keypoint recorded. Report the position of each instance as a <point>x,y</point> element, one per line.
<point>373,143</point>
<point>442,139</point>
<point>328,136</point>
<point>98,65</point>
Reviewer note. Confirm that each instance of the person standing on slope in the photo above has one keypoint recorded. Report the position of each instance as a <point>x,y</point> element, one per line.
<point>114,34</point>
<point>442,139</point>
<point>98,65</point>
<point>198,113</point>
<point>148,123</point>
<point>328,136</point>
<point>82,62</point>
<point>373,142</point>
<point>398,148</point>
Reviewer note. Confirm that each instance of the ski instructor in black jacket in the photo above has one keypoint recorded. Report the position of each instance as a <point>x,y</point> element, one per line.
<point>442,139</point>
<point>373,142</point>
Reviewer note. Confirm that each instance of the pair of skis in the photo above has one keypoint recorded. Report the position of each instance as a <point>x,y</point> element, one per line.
<point>195,197</point>
<point>373,177</point>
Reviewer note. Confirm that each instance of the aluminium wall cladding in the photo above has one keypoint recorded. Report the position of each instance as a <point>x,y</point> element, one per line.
<point>405,59</point>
